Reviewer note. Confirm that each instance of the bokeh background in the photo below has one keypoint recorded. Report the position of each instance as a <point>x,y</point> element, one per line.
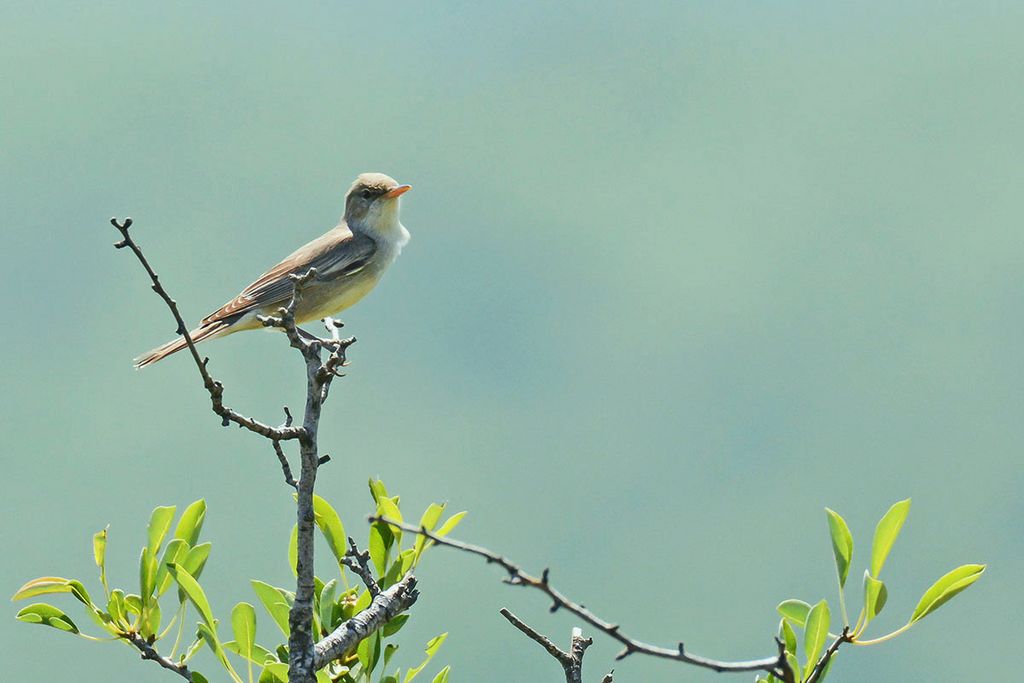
<point>681,275</point>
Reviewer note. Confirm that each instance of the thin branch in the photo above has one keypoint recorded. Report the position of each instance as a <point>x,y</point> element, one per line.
<point>571,661</point>
<point>558,653</point>
<point>384,607</point>
<point>823,662</point>
<point>777,665</point>
<point>215,388</point>
<point>285,467</point>
<point>149,652</point>
<point>359,563</point>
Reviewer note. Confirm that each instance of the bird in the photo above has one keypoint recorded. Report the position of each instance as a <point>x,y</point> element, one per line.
<point>349,260</point>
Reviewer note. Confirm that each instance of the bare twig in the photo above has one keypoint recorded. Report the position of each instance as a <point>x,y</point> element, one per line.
<point>285,467</point>
<point>215,388</point>
<point>319,374</point>
<point>826,657</point>
<point>359,563</point>
<point>149,652</point>
<point>571,661</point>
<point>777,665</point>
<point>384,607</point>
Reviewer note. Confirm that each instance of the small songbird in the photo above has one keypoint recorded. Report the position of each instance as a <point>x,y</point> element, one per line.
<point>349,262</point>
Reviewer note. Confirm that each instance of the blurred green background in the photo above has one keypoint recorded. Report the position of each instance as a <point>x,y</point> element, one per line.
<point>681,275</point>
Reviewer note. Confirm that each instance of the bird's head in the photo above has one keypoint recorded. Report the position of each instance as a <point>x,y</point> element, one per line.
<point>372,202</point>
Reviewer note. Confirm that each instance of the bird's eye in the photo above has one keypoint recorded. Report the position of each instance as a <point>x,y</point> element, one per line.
<point>366,194</point>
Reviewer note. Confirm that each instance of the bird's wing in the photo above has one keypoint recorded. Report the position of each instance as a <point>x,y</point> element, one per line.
<point>338,253</point>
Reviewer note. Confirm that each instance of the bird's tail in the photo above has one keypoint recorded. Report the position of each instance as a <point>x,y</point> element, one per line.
<point>199,334</point>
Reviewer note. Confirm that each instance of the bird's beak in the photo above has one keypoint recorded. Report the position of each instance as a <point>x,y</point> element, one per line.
<point>398,191</point>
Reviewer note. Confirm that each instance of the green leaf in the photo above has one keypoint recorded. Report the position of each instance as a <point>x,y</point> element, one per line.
<point>945,588</point>
<point>377,490</point>
<point>330,526</point>
<point>875,596</point>
<point>133,603</point>
<point>151,623</point>
<point>327,600</point>
<point>380,543</point>
<point>794,610</point>
<point>842,544</point>
<point>191,522</point>
<point>428,521</point>
<point>176,551</point>
<point>194,562</point>
<point>386,507</point>
<point>275,603</point>
<point>194,592</point>
<point>815,634</point>
<point>442,675</point>
<point>243,624</point>
<point>389,652</point>
<point>208,634</point>
<point>794,665</point>
<point>116,606</point>
<point>147,574</point>
<point>403,563</point>
<point>47,615</point>
<point>450,524</point>
<point>395,625</point>
<point>885,534</point>
<point>275,672</point>
<point>82,595</point>
<point>196,558</point>
<point>42,586</point>
<point>199,678</point>
<point>432,647</point>
<point>788,636</point>
<point>259,654</point>
<point>293,550</point>
<point>99,553</point>
<point>368,652</point>
<point>159,525</point>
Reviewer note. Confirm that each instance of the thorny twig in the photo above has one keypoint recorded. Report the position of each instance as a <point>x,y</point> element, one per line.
<point>777,665</point>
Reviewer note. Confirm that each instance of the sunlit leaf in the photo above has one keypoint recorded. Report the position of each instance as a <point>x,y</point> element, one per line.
<point>432,647</point>
<point>875,596</point>
<point>368,652</point>
<point>159,525</point>
<point>442,675</point>
<point>377,490</point>
<point>275,672</point>
<point>330,525</point>
<point>885,534</point>
<point>327,600</point>
<point>293,550</point>
<point>176,551</point>
<point>208,634</point>
<point>450,524</point>
<point>794,610</point>
<point>194,592</point>
<point>788,635</point>
<point>428,521</point>
<point>395,625</point>
<point>99,553</point>
<point>815,634</point>
<point>945,588</point>
<point>47,615</point>
<point>191,522</point>
<point>259,654</point>
<point>243,624</point>
<point>380,544</point>
<point>386,507</point>
<point>275,603</point>
<point>42,586</point>
<point>842,544</point>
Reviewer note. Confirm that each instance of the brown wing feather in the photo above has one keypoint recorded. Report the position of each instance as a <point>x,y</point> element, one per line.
<point>334,254</point>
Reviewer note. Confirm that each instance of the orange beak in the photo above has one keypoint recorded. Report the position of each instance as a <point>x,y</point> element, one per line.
<point>398,191</point>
